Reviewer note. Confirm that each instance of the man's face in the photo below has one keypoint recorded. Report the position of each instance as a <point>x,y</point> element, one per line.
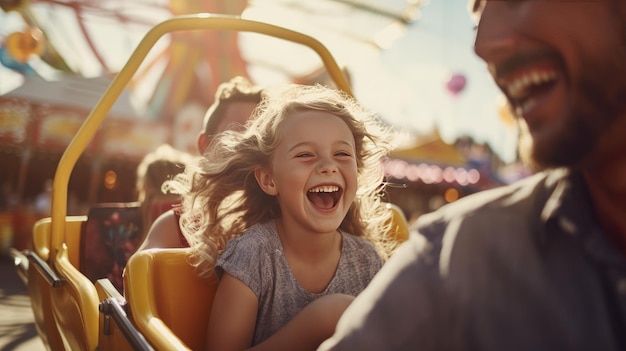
<point>562,66</point>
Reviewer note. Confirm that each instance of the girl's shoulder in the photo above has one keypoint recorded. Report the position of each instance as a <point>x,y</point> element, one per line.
<point>359,262</point>
<point>251,256</point>
<point>258,237</point>
<point>353,244</point>
<point>256,245</point>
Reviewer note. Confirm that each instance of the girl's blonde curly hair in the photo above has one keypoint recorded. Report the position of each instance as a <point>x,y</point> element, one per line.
<point>222,197</point>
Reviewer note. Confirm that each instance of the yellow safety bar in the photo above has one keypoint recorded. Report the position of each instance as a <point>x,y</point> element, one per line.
<point>187,22</point>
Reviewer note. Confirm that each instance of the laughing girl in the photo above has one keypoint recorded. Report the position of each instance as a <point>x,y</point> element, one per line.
<point>288,214</point>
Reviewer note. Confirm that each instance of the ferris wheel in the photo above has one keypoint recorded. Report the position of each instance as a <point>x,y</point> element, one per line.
<point>93,38</point>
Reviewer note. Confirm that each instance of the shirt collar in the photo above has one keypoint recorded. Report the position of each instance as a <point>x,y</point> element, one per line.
<point>569,210</point>
<point>568,204</point>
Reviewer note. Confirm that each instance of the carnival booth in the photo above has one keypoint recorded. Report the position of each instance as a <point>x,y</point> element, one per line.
<point>428,173</point>
<point>37,122</point>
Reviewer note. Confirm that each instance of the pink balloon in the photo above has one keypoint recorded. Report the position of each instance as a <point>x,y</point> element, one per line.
<point>456,83</point>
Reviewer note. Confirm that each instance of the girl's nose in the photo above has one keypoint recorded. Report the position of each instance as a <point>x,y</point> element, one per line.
<point>327,165</point>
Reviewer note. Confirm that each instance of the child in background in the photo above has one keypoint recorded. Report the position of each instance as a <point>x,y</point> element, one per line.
<point>288,213</point>
<point>235,100</point>
<point>156,168</point>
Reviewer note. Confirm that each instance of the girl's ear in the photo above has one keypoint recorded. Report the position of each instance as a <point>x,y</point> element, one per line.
<point>266,182</point>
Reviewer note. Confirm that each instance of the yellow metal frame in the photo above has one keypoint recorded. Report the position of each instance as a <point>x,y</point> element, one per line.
<point>200,21</point>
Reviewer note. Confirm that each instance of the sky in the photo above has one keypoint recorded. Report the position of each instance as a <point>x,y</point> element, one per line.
<point>415,72</point>
<point>405,82</point>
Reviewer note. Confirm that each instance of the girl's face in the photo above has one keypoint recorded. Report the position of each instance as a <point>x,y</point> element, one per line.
<point>313,172</point>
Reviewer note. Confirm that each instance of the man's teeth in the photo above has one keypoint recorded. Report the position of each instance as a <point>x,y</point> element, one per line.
<point>526,106</point>
<point>324,189</point>
<point>519,87</point>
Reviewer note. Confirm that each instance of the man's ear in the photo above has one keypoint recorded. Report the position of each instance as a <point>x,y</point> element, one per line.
<point>266,182</point>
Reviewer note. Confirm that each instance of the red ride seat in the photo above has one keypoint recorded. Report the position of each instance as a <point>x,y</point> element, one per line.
<point>111,234</point>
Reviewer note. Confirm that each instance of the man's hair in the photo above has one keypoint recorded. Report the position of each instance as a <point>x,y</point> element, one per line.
<point>238,89</point>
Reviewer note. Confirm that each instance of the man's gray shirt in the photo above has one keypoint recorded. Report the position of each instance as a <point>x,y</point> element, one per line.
<point>522,267</point>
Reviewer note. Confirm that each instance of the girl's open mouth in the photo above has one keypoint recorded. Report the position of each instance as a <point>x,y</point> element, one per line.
<point>324,196</point>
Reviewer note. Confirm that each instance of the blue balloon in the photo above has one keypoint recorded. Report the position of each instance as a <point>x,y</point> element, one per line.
<point>8,61</point>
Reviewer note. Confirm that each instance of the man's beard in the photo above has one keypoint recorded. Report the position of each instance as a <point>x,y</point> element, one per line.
<point>598,102</point>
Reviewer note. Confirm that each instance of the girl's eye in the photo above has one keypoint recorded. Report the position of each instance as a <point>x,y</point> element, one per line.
<point>304,154</point>
<point>343,153</point>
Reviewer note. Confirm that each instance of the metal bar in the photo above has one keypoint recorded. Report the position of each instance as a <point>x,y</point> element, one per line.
<point>44,269</point>
<point>111,307</point>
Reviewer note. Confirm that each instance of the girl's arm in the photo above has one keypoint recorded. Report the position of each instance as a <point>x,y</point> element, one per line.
<point>233,316</point>
<point>162,233</point>
<point>310,327</point>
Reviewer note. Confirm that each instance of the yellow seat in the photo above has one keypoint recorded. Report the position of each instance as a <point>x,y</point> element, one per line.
<point>41,279</point>
<point>400,226</point>
<point>64,300</point>
<point>116,331</point>
<point>169,304</point>
<point>74,305</point>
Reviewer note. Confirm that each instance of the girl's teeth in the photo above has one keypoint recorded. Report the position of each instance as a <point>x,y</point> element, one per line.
<point>324,189</point>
